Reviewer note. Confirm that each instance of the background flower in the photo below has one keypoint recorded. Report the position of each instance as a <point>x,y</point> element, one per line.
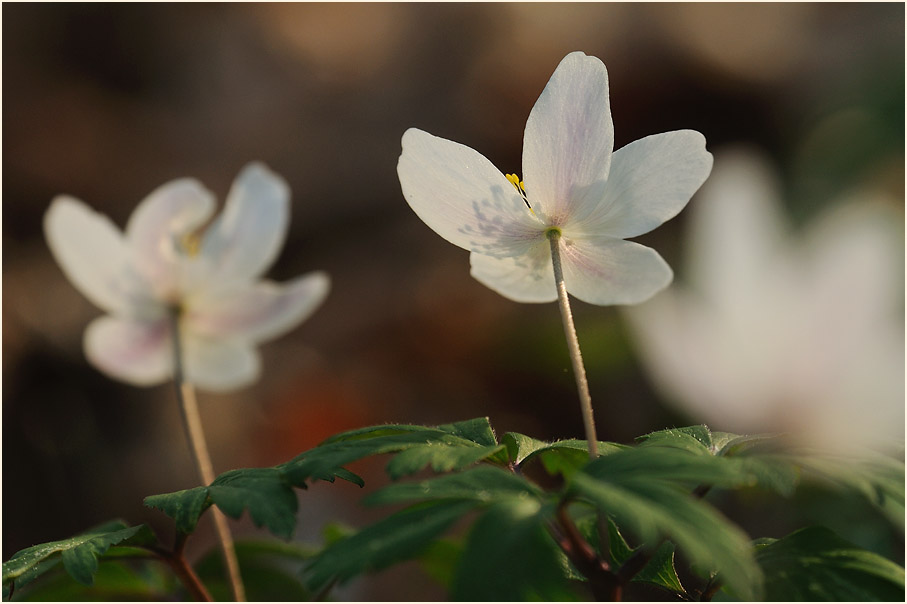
<point>783,332</point>
<point>108,101</point>
<point>168,262</point>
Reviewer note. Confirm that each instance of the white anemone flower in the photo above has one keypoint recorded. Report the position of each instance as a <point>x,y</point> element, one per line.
<point>574,188</point>
<point>167,265</point>
<point>775,332</point>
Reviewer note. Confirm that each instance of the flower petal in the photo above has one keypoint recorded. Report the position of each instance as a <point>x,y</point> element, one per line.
<point>135,352</point>
<point>259,312</point>
<point>568,140</point>
<point>526,278</point>
<point>245,239</point>
<point>218,364</point>
<point>93,254</point>
<point>463,197</point>
<point>604,271</point>
<point>158,227</point>
<point>651,180</point>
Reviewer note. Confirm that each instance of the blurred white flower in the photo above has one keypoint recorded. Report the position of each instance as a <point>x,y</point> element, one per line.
<point>574,186</point>
<point>780,333</point>
<point>165,263</point>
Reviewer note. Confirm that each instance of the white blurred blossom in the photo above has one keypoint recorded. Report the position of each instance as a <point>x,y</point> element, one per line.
<point>777,331</point>
<point>573,185</point>
<point>167,261</point>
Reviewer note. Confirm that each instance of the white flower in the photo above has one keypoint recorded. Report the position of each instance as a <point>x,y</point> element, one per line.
<point>574,185</point>
<point>776,333</point>
<point>163,263</point>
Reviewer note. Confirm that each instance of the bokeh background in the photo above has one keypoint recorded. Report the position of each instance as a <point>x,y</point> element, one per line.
<point>106,102</point>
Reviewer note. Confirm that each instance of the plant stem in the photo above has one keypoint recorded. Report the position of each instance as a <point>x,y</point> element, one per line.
<point>192,422</point>
<point>576,357</point>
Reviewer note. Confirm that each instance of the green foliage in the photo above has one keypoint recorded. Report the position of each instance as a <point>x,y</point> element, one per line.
<point>644,490</point>
<point>115,580</point>
<point>562,457</point>
<point>660,569</point>
<point>401,536</point>
<point>814,564</point>
<point>510,556</point>
<point>79,554</point>
<point>484,484</point>
<point>270,572</point>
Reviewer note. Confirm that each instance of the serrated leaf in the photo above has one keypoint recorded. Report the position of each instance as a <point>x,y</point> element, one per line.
<point>441,457</point>
<point>79,554</point>
<point>694,439</point>
<point>185,507</point>
<point>483,484</point>
<point>560,457</point>
<point>814,564</point>
<point>509,556</point>
<point>476,430</point>
<point>150,581</point>
<point>401,536</point>
<point>640,494</point>
<point>270,500</point>
<point>658,571</point>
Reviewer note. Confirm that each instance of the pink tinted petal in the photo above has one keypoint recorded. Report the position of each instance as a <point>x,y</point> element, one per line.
<point>245,239</point>
<point>259,312</point>
<point>604,271</point>
<point>219,365</point>
<point>158,228</point>
<point>459,194</point>
<point>525,278</point>
<point>135,352</point>
<point>93,254</point>
<point>568,140</point>
<point>651,180</point>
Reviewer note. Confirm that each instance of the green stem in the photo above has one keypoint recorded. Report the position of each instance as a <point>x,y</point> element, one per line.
<point>576,357</point>
<point>192,422</point>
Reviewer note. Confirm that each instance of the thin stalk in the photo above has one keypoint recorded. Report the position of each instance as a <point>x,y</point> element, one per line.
<point>576,357</point>
<point>192,422</point>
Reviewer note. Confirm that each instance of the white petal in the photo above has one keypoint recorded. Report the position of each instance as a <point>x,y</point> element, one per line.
<point>463,197</point>
<point>93,254</point>
<point>136,352</point>
<point>247,237</point>
<point>158,227</point>
<point>651,180</point>
<point>260,312</point>
<point>568,140</point>
<point>526,278</point>
<point>602,270</point>
<point>218,364</point>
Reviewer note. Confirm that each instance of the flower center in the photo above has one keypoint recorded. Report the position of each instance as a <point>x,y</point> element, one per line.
<point>520,188</point>
<point>190,244</point>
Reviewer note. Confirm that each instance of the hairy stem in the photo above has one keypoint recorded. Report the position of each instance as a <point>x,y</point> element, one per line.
<point>576,357</point>
<point>192,423</point>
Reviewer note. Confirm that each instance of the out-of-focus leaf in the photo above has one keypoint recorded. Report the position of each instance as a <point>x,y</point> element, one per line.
<point>440,559</point>
<point>115,580</point>
<point>484,484</point>
<point>401,536</point>
<point>509,556</point>
<point>639,489</point>
<point>658,571</point>
<point>79,554</point>
<point>814,564</point>
<point>270,571</point>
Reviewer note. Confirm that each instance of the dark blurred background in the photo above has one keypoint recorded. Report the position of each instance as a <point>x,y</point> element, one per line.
<point>106,102</point>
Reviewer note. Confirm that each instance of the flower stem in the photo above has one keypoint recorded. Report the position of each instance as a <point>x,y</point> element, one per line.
<point>576,357</point>
<point>192,423</point>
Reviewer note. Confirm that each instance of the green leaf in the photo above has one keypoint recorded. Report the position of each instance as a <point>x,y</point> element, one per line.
<point>184,507</point>
<point>270,571</point>
<point>638,487</point>
<point>658,571</point>
<point>79,554</point>
<point>814,564</point>
<point>693,439</point>
<point>270,500</point>
<point>475,436</point>
<point>401,536</point>
<point>147,580</point>
<point>509,556</point>
<point>483,484</point>
<point>440,559</point>
<point>561,457</point>
<point>441,457</point>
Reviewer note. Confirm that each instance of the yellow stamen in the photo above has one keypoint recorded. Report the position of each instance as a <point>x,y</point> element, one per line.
<point>191,244</point>
<point>520,186</point>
